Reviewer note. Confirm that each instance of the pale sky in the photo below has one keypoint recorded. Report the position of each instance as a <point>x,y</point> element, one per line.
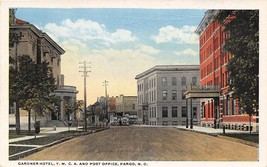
<point>119,43</point>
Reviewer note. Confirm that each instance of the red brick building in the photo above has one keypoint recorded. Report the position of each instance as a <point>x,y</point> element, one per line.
<point>213,73</point>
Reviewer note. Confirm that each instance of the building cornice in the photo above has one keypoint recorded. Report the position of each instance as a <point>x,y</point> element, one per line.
<point>40,34</point>
<point>168,68</point>
<point>206,20</point>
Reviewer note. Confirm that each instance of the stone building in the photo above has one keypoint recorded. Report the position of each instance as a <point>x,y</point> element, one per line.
<point>160,94</point>
<point>40,47</point>
<point>126,105</point>
<point>36,44</point>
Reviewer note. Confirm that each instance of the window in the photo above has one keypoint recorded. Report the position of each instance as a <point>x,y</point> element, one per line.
<point>174,95</point>
<point>52,59</point>
<point>227,105</point>
<point>164,95</point>
<point>133,106</point>
<point>183,96</point>
<point>234,107</point>
<point>203,110</point>
<point>165,123</point>
<point>183,81</point>
<point>174,81</point>
<point>152,112</point>
<point>194,112</point>
<point>184,111</point>
<point>164,111</point>
<point>174,122</point>
<point>164,81</point>
<point>194,80</point>
<point>174,112</point>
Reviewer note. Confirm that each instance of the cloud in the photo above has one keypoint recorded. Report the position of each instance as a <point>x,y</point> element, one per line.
<point>146,50</point>
<point>122,35</point>
<point>184,35</point>
<point>186,52</point>
<point>88,31</point>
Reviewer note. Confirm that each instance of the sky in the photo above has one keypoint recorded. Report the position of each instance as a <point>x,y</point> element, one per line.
<point>119,43</point>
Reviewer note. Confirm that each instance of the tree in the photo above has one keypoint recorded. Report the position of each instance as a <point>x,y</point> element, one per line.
<point>30,85</point>
<point>243,44</point>
<point>14,39</point>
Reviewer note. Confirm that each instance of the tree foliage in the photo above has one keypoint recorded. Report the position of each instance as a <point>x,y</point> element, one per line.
<point>243,44</point>
<point>30,85</point>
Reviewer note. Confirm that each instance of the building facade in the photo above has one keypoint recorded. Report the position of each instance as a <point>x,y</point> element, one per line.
<point>213,73</point>
<point>36,44</point>
<point>40,47</point>
<point>126,105</point>
<point>160,94</point>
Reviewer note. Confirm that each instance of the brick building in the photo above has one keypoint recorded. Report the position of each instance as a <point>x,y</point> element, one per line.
<point>213,73</point>
<point>160,94</point>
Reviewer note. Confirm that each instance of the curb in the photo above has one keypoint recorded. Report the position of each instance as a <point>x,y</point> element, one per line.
<point>205,133</point>
<point>34,150</point>
<point>224,137</point>
<point>249,143</point>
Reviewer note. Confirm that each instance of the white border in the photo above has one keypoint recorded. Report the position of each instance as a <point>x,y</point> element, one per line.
<point>151,4</point>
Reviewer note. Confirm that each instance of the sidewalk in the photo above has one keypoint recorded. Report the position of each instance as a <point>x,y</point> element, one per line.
<point>211,131</point>
<point>45,131</point>
<point>199,129</point>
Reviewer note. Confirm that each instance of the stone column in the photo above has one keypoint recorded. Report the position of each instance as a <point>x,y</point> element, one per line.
<point>62,109</point>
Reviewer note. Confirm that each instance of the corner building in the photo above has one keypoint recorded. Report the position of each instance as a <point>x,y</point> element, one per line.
<point>213,73</point>
<point>160,94</point>
<point>40,47</point>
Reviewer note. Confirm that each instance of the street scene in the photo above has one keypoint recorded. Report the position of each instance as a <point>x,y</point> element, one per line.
<point>108,84</point>
<point>147,144</point>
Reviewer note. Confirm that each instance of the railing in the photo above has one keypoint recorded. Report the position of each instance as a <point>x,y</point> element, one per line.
<point>67,87</point>
<point>203,87</point>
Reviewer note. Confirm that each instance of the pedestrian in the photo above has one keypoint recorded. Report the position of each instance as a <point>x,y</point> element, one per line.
<point>120,121</point>
<point>106,122</point>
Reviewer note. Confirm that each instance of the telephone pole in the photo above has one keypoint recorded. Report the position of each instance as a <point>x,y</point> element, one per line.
<point>106,84</point>
<point>85,71</point>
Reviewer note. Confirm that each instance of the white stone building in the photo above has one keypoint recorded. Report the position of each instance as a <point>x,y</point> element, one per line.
<point>160,94</point>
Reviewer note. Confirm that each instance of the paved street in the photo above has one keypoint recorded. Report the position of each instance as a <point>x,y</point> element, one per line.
<point>147,143</point>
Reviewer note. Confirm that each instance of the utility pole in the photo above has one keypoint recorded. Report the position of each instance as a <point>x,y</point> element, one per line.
<point>106,84</point>
<point>85,71</point>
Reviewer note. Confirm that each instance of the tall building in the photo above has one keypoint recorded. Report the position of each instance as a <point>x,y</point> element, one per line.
<point>36,44</point>
<point>213,73</point>
<point>160,94</point>
<point>40,47</point>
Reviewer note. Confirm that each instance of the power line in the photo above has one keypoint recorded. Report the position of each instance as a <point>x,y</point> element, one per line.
<point>106,84</point>
<point>85,71</point>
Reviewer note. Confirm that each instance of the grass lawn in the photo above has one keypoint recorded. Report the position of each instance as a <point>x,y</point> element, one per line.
<point>247,137</point>
<point>48,139</point>
<point>17,149</point>
<point>13,133</point>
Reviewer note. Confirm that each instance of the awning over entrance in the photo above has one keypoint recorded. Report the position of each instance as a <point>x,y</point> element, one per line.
<point>197,91</point>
